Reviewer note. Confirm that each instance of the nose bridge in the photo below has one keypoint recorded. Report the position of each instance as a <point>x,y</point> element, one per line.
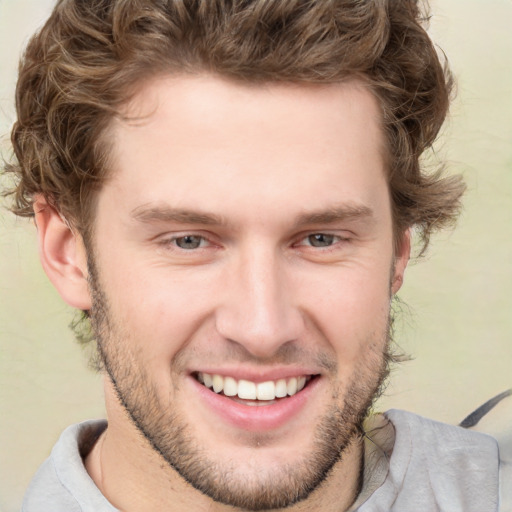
<point>259,311</point>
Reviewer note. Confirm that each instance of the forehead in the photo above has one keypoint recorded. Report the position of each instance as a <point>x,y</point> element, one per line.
<point>292,110</point>
<point>192,140</point>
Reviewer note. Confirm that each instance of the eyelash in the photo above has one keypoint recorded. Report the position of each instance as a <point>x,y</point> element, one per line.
<point>335,239</point>
<point>167,242</point>
<point>204,242</point>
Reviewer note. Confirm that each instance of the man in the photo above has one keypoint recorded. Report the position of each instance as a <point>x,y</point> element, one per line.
<point>227,191</point>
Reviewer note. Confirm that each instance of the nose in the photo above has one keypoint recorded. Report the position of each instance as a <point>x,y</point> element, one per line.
<point>258,309</point>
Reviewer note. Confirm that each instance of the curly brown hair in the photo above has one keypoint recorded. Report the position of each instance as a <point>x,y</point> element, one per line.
<point>88,59</point>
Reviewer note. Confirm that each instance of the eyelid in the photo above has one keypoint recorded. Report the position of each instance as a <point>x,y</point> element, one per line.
<point>337,236</point>
<point>202,241</point>
<point>208,239</point>
<point>169,239</point>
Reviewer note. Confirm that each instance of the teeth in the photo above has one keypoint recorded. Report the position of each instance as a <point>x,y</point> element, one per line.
<point>292,386</point>
<point>207,380</point>
<point>247,390</point>
<point>230,386</point>
<point>281,388</point>
<point>218,383</point>
<point>266,390</point>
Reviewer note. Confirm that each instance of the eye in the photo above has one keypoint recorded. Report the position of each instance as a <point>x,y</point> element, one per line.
<point>189,242</point>
<point>321,240</point>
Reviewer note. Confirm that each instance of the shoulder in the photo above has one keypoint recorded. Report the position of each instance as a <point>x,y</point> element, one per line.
<point>441,443</point>
<point>62,484</point>
<point>494,417</point>
<point>441,467</point>
<point>46,492</point>
<point>476,453</point>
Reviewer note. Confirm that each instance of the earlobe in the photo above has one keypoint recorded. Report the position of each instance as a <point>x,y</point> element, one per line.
<point>62,255</point>
<point>402,256</point>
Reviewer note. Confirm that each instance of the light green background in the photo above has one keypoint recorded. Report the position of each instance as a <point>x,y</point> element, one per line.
<point>458,323</point>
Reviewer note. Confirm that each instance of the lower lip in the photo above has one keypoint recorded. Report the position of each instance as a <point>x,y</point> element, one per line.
<point>256,418</point>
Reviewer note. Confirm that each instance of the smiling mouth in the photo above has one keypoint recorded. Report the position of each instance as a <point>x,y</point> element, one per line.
<point>253,393</point>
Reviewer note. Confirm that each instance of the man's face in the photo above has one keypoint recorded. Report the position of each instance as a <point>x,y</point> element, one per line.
<point>245,238</point>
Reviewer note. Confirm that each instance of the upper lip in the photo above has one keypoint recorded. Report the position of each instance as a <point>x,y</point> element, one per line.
<point>257,375</point>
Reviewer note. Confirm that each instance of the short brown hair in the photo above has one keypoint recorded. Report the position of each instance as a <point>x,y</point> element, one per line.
<point>82,66</point>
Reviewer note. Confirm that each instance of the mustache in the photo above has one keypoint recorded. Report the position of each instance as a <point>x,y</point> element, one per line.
<point>287,354</point>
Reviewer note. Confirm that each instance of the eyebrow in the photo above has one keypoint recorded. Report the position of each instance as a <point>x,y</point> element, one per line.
<point>155,213</point>
<point>336,214</point>
<point>148,214</point>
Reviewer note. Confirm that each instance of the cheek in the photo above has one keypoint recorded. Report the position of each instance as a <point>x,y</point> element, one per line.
<point>159,309</point>
<point>352,311</point>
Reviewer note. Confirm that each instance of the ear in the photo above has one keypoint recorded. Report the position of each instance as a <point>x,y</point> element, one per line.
<point>62,255</point>
<point>402,255</point>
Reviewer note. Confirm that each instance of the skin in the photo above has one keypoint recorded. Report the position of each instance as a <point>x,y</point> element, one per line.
<point>254,172</point>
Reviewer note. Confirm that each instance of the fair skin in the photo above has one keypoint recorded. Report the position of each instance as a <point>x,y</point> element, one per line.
<point>245,232</point>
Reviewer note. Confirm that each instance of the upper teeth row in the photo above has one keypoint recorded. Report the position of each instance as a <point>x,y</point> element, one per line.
<point>248,390</point>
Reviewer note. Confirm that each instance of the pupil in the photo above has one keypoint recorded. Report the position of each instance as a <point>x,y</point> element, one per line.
<point>321,240</point>
<point>188,242</point>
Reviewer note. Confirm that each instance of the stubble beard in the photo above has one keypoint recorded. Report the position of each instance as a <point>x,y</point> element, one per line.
<point>169,433</point>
